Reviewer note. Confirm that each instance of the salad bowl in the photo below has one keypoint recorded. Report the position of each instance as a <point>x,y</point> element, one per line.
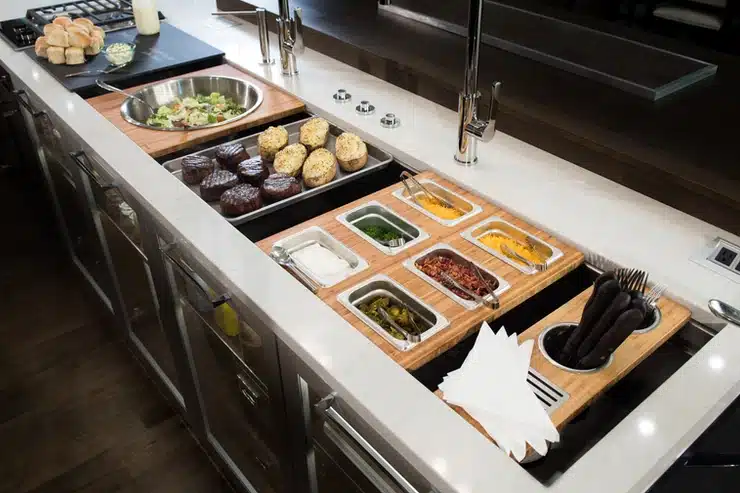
<point>241,92</point>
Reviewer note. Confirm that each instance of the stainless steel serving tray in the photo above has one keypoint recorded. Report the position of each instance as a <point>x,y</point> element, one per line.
<point>382,285</point>
<point>496,224</point>
<point>375,213</point>
<point>435,188</point>
<point>246,94</point>
<point>446,250</point>
<point>315,234</point>
<point>377,160</point>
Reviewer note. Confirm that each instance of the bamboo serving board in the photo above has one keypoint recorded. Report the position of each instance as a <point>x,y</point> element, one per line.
<point>584,388</point>
<point>463,322</point>
<point>276,104</point>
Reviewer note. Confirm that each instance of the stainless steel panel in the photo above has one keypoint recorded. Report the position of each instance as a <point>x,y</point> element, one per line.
<point>445,250</point>
<point>242,92</point>
<point>382,285</point>
<point>376,214</point>
<point>470,209</point>
<point>377,160</point>
<point>498,225</point>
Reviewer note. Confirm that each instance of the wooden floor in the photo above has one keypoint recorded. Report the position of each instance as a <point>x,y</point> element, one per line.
<point>77,413</point>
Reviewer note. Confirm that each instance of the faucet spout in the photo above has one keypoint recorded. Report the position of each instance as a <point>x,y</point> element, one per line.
<point>290,35</point>
<point>471,128</point>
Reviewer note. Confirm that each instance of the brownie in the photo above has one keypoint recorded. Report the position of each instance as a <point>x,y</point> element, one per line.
<point>216,184</point>
<point>196,168</point>
<point>230,155</point>
<point>279,187</point>
<point>240,200</point>
<point>253,171</point>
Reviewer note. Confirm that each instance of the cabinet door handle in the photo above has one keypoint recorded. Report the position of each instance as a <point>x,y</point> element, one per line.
<point>22,98</point>
<point>336,419</point>
<point>248,389</point>
<point>198,281</point>
<point>77,158</point>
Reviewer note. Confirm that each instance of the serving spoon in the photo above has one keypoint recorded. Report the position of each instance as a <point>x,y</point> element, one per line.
<point>283,258</point>
<point>110,88</point>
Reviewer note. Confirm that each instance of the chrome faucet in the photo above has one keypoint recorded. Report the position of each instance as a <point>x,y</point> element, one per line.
<point>290,35</point>
<point>471,128</point>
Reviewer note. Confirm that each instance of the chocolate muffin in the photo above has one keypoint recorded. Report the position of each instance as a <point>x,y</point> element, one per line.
<point>279,187</point>
<point>216,184</point>
<point>196,168</point>
<point>230,155</point>
<point>253,171</point>
<point>240,200</point>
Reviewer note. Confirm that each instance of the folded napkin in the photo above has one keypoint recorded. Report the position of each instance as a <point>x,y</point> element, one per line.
<point>491,385</point>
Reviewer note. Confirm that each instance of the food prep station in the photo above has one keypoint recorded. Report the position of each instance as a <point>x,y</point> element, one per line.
<point>232,372</point>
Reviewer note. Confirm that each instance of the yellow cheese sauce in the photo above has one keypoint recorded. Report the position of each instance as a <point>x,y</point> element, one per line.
<point>437,208</point>
<point>495,240</point>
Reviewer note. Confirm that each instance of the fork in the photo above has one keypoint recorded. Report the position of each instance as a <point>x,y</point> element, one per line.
<point>536,267</point>
<point>654,294</point>
<point>632,279</point>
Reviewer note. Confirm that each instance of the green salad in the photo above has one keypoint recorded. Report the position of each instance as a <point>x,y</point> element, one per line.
<point>195,112</point>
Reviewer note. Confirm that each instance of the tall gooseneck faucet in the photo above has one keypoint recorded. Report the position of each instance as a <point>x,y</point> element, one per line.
<point>471,128</point>
<point>290,35</point>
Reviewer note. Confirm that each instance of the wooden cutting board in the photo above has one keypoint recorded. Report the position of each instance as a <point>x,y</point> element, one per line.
<point>276,104</point>
<point>463,322</point>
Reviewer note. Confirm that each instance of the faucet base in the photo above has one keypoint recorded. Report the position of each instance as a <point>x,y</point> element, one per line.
<point>465,160</point>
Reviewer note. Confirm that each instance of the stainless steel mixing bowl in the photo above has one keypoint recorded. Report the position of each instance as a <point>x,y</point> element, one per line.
<point>244,93</point>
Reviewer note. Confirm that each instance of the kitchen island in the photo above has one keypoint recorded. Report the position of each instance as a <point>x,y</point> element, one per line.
<point>599,217</point>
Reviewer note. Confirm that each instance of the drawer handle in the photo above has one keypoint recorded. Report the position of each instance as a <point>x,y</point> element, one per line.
<point>188,272</point>
<point>22,98</point>
<point>336,419</point>
<point>77,158</point>
<point>248,389</point>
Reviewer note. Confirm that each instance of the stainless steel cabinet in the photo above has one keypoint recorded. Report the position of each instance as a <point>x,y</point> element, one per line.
<point>235,363</point>
<point>334,448</point>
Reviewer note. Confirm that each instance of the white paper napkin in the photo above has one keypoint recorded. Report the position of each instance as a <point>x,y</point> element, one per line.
<point>491,385</point>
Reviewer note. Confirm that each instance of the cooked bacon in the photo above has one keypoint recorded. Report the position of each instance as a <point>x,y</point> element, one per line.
<point>434,266</point>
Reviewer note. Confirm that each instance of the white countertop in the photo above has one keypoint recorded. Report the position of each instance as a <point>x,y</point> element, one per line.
<point>578,206</point>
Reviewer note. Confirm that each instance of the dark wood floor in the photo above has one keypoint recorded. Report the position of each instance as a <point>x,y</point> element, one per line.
<point>77,413</point>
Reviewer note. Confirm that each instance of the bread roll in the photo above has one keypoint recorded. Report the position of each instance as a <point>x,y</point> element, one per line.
<point>62,20</point>
<point>74,56</point>
<point>58,37</point>
<point>351,152</point>
<point>56,55</point>
<point>78,37</point>
<point>41,46</point>
<point>51,27</point>
<point>86,23</point>
<point>96,46</point>
<point>271,141</point>
<point>99,31</point>
<point>320,168</point>
<point>289,161</point>
<point>314,133</point>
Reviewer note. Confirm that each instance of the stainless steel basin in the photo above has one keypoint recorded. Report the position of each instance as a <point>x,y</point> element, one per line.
<point>246,94</point>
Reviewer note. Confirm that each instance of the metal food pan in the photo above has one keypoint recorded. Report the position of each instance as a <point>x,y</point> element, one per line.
<point>470,209</point>
<point>313,235</point>
<point>374,213</point>
<point>445,250</point>
<point>377,160</point>
<point>382,285</point>
<point>498,225</point>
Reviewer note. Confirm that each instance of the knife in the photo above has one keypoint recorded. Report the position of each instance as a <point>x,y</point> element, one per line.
<point>605,294</point>
<point>621,330</point>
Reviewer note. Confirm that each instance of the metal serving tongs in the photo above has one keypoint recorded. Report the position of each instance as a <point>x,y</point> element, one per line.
<point>406,177</point>
<point>536,267</point>
<point>487,301</point>
<point>413,338</point>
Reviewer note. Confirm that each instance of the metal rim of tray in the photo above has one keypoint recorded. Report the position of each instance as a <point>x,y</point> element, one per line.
<point>410,264</point>
<point>467,234</point>
<point>442,321</point>
<point>476,209</point>
<point>260,97</point>
<point>423,235</point>
<point>541,346</point>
